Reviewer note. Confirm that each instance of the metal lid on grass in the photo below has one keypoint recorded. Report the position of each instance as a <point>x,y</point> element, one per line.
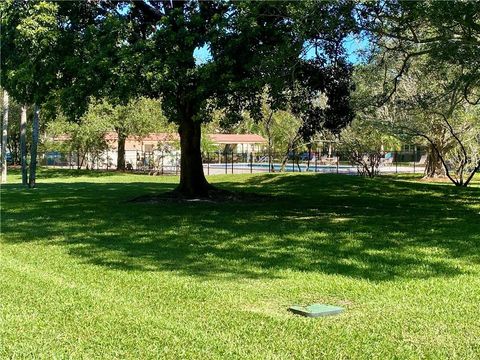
<point>315,310</point>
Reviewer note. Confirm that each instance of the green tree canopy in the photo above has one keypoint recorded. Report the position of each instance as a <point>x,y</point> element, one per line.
<point>448,32</point>
<point>122,50</point>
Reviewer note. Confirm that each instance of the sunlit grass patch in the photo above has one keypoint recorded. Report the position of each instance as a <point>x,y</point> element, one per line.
<point>87,274</point>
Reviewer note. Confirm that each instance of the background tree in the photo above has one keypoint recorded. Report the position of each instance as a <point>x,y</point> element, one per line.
<point>428,108</point>
<point>464,157</point>
<point>445,119</point>
<point>29,47</point>
<point>138,118</point>
<point>14,111</point>
<point>364,142</point>
<point>440,34</point>
<point>281,128</point>
<point>87,137</point>
<point>444,33</point>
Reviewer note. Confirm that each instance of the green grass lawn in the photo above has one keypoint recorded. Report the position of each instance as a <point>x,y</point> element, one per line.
<point>86,274</point>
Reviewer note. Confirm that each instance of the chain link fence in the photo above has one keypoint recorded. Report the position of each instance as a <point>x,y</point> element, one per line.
<point>138,161</point>
<point>313,161</point>
<point>218,162</point>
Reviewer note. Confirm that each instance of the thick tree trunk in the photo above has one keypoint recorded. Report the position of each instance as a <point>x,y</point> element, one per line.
<point>433,164</point>
<point>121,151</point>
<point>33,151</point>
<point>4,136</point>
<point>192,179</point>
<point>23,144</point>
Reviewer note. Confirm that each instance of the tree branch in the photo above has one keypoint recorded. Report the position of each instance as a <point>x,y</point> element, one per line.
<point>477,168</point>
<point>403,69</point>
<point>465,95</point>
<point>148,10</point>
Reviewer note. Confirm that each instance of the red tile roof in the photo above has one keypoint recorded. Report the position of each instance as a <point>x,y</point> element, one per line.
<point>237,139</point>
<point>165,137</point>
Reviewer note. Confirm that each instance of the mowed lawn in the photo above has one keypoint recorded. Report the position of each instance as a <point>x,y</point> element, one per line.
<point>87,275</point>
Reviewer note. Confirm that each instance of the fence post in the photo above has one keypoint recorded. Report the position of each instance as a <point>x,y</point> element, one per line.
<point>396,162</point>
<point>161,163</point>
<point>226,161</point>
<point>232,161</point>
<point>269,159</point>
<point>316,160</point>
<point>272,161</point>
<point>208,163</point>
<point>414,158</point>
<point>309,156</point>
<point>251,162</point>
<point>293,161</point>
<point>336,155</point>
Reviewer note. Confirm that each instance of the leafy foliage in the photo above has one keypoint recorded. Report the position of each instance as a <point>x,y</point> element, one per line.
<point>447,31</point>
<point>365,143</point>
<point>429,109</point>
<point>138,118</point>
<point>30,49</point>
<point>122,50</point>
<point>125,50</point>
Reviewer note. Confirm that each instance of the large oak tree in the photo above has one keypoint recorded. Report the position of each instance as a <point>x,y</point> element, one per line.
<point>124,49</point>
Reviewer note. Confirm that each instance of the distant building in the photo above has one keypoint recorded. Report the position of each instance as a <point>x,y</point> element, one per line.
<point>164,147</point>
<point>239,143</point>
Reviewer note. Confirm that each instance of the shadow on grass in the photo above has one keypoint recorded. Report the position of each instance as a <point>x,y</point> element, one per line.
<point>377,229</point>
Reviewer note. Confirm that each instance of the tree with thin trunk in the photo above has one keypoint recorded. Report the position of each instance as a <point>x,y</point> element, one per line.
<point>292,145</point>
<point>363,142</point>
<point>14,111</point>
<point>138,118</point>
<point>4,136</point>
<point>34,146</point>
<point>23,144</point>
<point>29,48</point>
